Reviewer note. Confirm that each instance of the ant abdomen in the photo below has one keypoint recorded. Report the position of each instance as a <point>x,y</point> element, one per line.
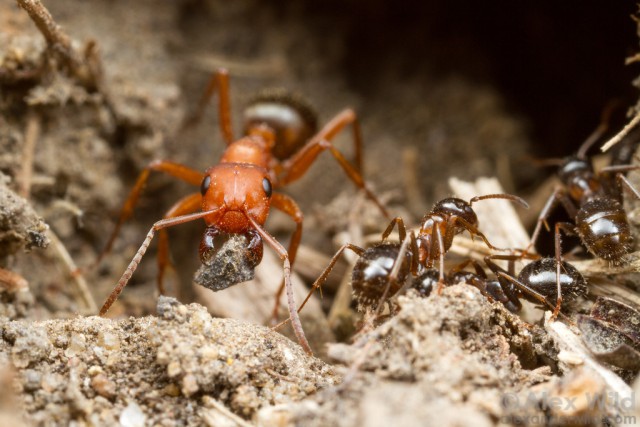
<point>603,227</point>
<point>540,277</point>
<point>371,274</point>
<point>290,117</point>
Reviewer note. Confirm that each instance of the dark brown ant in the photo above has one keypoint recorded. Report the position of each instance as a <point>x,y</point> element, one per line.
<point>593,203</point>
<point>378,272</point>
<point>449,217</point>
<point>280,144</point>
<point>545,282</point>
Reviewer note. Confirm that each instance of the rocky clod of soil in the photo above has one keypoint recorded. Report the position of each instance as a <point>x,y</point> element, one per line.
<point>180,368</point>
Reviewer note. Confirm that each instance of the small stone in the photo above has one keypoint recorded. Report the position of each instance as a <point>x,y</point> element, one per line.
<point>94,370</point>
<point>77,345</point>
<point>174,369</point>
<point>189,385</point>
<point>132,416</point>
<point>108,340</point>
<point>103,386</point>
<point>171,390</point>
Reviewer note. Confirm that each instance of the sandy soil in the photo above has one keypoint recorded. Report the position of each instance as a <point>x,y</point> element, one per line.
<point>85,106</point>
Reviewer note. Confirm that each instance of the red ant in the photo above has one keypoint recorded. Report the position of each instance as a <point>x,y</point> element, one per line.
<point>279,145</point>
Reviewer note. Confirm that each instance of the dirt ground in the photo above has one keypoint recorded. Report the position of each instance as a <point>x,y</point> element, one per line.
<point>94,92</point>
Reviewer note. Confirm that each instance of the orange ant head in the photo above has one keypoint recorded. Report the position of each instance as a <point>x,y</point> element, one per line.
<point>290,117</point>
<point>238,191</point>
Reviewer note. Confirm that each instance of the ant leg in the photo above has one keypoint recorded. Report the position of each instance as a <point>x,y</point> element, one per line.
<point>623,182</point>
<point>409,240</point>
<point>323,277</point>
<point>456,221</point>
<point>133,265</point>
<point>510,296</point>
<point>219,80</point>
<point>441,250</point>
<point>476,266</point>
<point>297,165</point>
<point>186,205</point>
<point>557,195</point>
<point>605,119</point>
<point>569,229</point>
<point>288,206</point>
<point>402,230</point>
<point>286,267</point>
<point>191,176</point>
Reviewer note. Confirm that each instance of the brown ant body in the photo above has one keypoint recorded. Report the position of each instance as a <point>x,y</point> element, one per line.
<point>592,201</point>
<point>235,197</point>
<point>544,281</point>
<point>448,217</point>
<point>379,273</point>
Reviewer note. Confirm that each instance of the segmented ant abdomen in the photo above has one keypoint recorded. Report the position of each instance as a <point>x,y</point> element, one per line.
<point>371,272</point>
<point>603,227</point>
<point>288,114</point>
<point>540,276</point>
<point>452,206</point>
<point>425,282</point>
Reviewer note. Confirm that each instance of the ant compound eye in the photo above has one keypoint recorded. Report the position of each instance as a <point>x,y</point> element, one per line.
<point>206,182</point>
<point>266,185</point>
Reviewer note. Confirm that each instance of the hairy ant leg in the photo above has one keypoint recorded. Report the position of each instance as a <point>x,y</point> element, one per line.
<point>286,204</point>
<point>286,267</point>
<point>558,195</point>
<point>133,265</point>
<point>184,173</point>
<point>324,275</point>
<point>622,180</point>
<point>294,167</point>
<point>184,206</point>
<point>407,240</point>
<point>220,81</point>
<point>402,229</point>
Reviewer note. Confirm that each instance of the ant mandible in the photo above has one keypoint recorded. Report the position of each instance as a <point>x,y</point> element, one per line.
<point>279,145</point>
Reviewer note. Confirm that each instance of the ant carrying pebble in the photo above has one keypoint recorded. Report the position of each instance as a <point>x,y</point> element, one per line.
<point>280,144</point>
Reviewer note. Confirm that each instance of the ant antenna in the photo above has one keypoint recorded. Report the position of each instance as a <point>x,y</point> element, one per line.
<point>511,197</point>
<point>603,126</point>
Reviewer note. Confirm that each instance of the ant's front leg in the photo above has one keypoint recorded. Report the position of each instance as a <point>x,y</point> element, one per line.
<point>176,170</point>
<point>558,195</point>
<point>286,204</point>
<point>296,166</point>
<point>133,265</point>
<point>402,230</point>
<point>184,206</point>
<point>286,267</point>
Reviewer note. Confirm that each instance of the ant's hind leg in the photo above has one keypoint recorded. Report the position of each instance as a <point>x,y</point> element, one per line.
<point>186,205</point>
<point>220,81</point>
<point>295,167</point>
